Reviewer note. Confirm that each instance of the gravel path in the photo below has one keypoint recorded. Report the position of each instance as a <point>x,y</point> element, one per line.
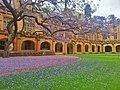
<point>13,65</point>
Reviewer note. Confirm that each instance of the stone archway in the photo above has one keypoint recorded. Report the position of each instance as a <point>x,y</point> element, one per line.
<point>108,49</point>
<point>45,46</point>
<point>2,44</point>
<point>58,47</point>
<point>78,48</point>
<point>86,48</point>
<point>93,48</point>
<point>98,47</point>
<point>69,48</point>
<point>118,48</point>
<point>28,45</point>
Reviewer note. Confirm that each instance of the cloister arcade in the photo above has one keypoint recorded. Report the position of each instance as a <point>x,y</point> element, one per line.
<point>60,47</point>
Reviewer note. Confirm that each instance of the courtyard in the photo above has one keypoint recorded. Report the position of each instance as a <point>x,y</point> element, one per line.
<point>69,72</point>
<point>15,65</point>
<point>59,45</point>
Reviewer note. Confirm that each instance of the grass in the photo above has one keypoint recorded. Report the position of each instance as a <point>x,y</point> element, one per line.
<point>93,72</point>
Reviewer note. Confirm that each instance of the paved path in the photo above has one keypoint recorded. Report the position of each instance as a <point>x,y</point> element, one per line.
<point>13,65</point>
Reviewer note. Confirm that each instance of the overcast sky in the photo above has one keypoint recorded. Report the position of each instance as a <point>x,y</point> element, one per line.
<point>107,7</point>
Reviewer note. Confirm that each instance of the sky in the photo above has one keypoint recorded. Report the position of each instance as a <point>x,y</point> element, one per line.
<point>107,7</point>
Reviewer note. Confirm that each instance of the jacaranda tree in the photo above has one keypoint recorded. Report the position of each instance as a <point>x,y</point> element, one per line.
<point>56,16</point>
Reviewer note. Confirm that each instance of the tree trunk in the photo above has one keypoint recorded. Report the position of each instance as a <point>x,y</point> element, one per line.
<point>66,2</point>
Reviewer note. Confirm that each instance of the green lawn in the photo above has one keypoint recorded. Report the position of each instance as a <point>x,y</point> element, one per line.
<point>93,72</point>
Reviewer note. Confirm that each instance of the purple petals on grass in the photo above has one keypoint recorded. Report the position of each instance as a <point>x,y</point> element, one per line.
<point>15,65</point>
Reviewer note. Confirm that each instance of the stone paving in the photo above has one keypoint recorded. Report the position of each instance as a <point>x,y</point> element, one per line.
<point>14,65</point>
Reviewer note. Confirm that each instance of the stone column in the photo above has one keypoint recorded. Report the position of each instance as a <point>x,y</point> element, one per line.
<point>83,48</point>
<point>113,48</point>
<point>102,48</point>
<point>37,46</point>
<point>53,46</point>
<point>65,48</point>
<point>18,44</point>
<point>90,48</point>
<point>75,48</point>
